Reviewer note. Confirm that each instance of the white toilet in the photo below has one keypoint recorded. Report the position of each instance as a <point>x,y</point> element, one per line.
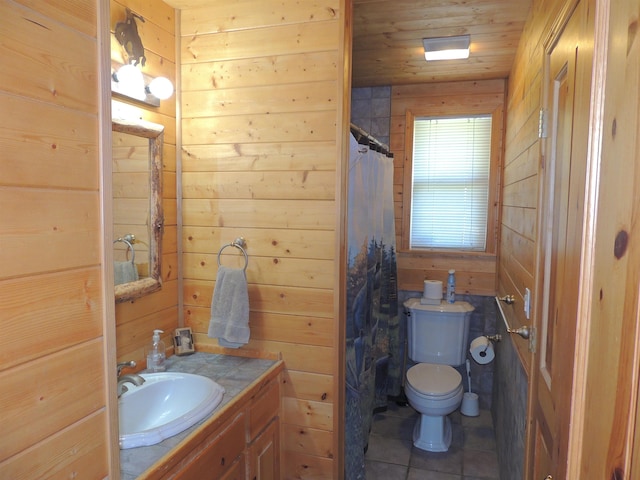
<point>437,336</point>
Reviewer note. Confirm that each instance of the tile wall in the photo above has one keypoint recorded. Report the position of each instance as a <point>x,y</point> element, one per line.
<point>371,111</point>
<point>509,406</point>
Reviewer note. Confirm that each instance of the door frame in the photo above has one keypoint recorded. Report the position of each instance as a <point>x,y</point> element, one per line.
<point>579,409</point>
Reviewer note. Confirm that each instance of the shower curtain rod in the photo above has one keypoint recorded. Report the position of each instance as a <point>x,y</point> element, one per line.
<point>363,138</point>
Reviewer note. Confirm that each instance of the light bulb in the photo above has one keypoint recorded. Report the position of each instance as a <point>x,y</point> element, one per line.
<point>131,82</point>
<point>161,88</point>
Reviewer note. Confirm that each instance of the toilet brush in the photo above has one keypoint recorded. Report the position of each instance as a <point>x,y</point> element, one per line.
<point>470,406</point>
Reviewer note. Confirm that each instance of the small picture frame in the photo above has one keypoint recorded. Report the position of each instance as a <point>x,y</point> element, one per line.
<point>183,341</point>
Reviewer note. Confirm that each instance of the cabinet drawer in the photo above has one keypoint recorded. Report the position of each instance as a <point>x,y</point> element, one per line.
<point>217,457</point>
<point>263,408</point>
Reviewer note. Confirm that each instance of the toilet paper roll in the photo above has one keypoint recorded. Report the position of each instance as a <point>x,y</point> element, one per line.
<point>482,350</point>
<point>432,289</point>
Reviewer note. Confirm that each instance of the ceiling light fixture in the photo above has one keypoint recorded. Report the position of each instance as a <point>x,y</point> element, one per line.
<point>446,48</point>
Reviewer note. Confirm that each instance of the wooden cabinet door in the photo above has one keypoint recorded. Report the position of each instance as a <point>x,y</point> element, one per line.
<point>237,470</point>
<point>215,459</point>
<point>264,454</point>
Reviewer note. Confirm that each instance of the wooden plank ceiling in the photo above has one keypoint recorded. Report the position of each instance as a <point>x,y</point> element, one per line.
<point>387,39</point>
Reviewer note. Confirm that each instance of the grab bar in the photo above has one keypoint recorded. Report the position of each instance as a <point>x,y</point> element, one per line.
<point>524,331</point>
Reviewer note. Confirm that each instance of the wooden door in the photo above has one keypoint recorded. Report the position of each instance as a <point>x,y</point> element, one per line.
<point>567,87</point>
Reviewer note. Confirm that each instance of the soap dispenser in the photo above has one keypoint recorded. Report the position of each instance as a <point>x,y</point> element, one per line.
<point>155,354</point>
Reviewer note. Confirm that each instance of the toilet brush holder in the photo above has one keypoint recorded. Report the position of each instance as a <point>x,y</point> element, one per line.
<point>470,405</point>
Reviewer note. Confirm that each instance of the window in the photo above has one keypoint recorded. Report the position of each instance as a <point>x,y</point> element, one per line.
<point>450,183</point>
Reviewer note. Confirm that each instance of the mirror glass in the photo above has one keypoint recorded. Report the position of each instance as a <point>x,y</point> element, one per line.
<point>137,207</point>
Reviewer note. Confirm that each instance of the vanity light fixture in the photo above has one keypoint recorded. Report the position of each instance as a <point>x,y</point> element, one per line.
<point>446,48</point>
<point>127,78</point>
<point>130,82</point>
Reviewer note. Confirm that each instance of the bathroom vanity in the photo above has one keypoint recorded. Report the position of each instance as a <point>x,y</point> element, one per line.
<point>239,440</point>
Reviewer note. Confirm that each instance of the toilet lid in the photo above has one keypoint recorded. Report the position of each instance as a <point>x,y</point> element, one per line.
<point>432,379</point>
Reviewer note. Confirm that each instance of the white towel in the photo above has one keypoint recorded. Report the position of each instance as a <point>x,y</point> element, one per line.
<point>230,308</point>
<point>124,272</point>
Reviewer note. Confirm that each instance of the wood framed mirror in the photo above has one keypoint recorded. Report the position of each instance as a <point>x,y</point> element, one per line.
<point>137,207</point>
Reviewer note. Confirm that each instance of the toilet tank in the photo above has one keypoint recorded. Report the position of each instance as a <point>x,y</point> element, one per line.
<point>438,333</point>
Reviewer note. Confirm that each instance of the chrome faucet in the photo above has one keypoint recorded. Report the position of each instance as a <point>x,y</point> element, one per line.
<point>133,378</point>
<point>123,365</point>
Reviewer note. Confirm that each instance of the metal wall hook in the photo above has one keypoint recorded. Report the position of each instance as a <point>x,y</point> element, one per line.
<point>508,299</point>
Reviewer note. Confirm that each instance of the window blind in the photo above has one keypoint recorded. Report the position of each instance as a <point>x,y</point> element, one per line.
<point>450,182</point>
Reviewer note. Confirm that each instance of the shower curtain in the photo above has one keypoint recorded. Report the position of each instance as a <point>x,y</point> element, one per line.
<point>373,344</point>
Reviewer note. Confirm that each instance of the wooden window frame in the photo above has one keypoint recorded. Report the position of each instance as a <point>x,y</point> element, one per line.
<point>494,180</point>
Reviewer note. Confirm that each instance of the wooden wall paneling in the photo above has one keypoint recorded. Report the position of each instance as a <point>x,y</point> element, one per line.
<point>168,159</point>
<point>259,161</point>
<point>76,14</point>
<point>65,305</point>
<point>285,98</point>
<point>273,242</point>
<point>170,239</point>
<point>159,13</point>
<point>244,72</point>
<point>308,330</point>
<point>155,38</point>
<point>46,60</point>
<point>307,413</point>
<point>249,43</point>
<point>170,211</point>
<point>42,232</point>
<point>294,272</point>
<point>299,215</point>
<point>264,298</point>
<point>42,393</point>
<point>198,319</point>
<point>129,311</point>
<point>71,452</point>
<point>277,127</point>
<point>54,149</point>
<point>200,18</point>
<point>170,267</point>
<point>316,156</point>
<point>295,185</point>
<point>308,386</point>
<point>309,441</point>
<point>132,337</point>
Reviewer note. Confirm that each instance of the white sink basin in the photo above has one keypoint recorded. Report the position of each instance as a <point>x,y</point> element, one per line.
<point>164,405</point>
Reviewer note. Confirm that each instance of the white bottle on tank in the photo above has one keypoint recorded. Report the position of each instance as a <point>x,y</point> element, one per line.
<point>451,286</point>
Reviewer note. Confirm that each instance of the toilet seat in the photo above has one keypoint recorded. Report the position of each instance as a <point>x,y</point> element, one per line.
<point>434,382</point>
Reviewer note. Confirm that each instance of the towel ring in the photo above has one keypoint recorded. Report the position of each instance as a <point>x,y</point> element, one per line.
<point>128,239</point>
<point>239,243</point>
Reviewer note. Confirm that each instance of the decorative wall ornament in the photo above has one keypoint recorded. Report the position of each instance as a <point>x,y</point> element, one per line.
<point>127,35</point>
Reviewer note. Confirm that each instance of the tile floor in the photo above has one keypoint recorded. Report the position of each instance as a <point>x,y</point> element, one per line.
<point>392,456</point>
